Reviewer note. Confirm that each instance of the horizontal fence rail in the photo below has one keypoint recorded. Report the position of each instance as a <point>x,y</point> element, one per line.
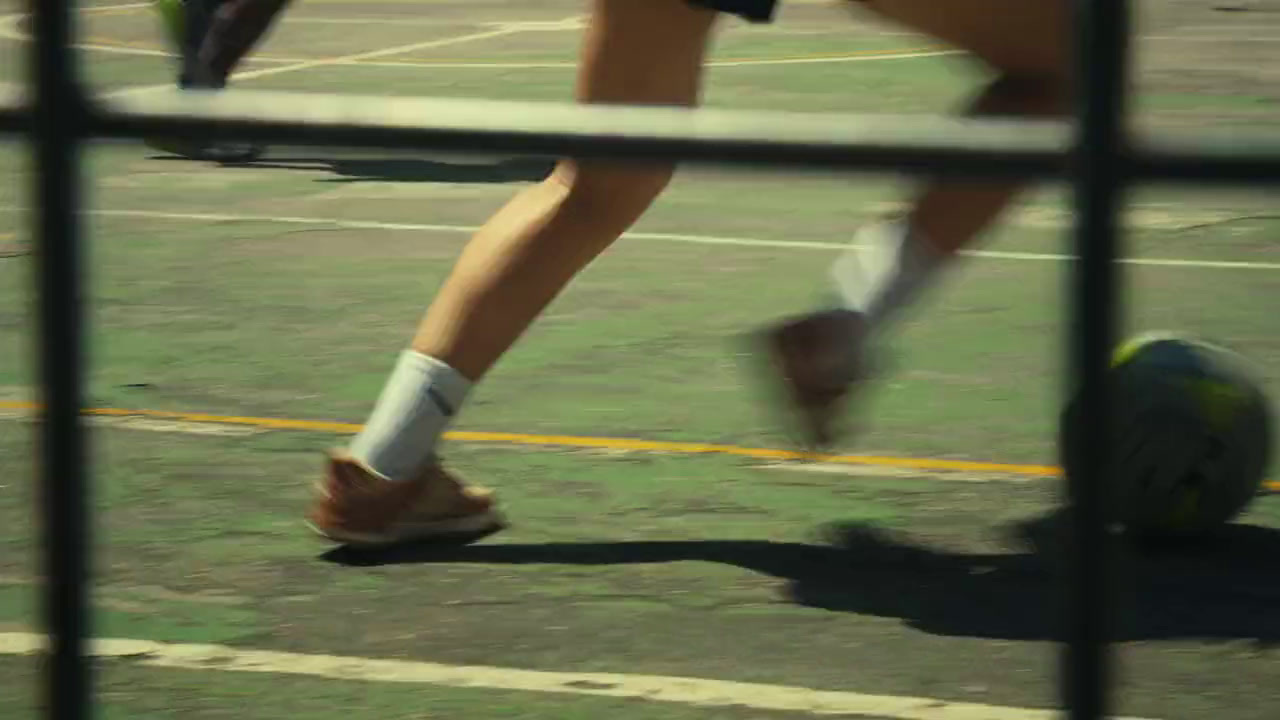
<point>750,139</point>
<point>15,109</point>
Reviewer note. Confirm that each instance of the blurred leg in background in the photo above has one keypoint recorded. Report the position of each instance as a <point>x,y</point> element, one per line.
<point>212,38</point>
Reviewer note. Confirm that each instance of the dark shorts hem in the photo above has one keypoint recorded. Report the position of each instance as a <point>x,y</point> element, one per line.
<point>760,11</point>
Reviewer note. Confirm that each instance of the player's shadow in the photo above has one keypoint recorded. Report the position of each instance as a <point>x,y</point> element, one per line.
<point>348,170</point>
<point>1224,588</point>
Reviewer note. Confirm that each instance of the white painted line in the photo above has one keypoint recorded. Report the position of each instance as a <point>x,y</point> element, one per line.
<point>108,9</point>
<point>126,50</point>
<point>836,59</point>
<point>1211,39</point>
<point>338,60</point>
<point>666,237</point>
<point>9,31</point>
<point>1252,25</point>
<point>397,50</point>
<point>9,23</point>
<point>447,65</point>
<point>696,692</point>
<point>415,21</point>
<point>179,427</point>
<point>888,471</point>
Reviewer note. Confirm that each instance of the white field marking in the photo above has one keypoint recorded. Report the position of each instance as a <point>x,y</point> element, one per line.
<point>1211,38</point>
<point>128,50</point>
<point>99,46</point>
<point>110,9</point>
<point>445,65</point>
<point>9,31</point>
<point>500,31</point>
<point>573,22</point>
<point>147,424</point>
<point>654,688</point>
<point>888,471</point>
<point>1252,26</point>
<point>9,23</point>
<point>175,426</point>
<point>666,237</point>
<point>1143,217</point>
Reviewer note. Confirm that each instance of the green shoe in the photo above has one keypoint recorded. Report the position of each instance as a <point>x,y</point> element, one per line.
<point>172,16</point>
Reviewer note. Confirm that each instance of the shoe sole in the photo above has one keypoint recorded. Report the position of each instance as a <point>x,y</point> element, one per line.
<point>470,527</point>
<point>198,154</point>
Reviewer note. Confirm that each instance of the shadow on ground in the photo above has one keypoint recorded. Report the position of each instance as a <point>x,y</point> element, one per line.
<point>1225,587</point>
<point>349,169</point>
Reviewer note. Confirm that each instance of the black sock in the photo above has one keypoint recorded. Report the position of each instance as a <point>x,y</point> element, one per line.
<point>199,15</point>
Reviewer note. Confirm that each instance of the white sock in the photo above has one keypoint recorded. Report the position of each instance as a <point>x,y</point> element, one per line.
<point>418,401</point>
<point>888,271</point>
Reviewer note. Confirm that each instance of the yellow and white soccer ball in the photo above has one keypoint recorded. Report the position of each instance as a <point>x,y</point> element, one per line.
<point>1192,435</point>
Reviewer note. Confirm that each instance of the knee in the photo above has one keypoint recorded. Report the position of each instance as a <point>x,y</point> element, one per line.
<point>610,195</point>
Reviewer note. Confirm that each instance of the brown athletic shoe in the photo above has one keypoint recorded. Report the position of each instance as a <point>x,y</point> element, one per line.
<point>814,361</point>
<point>357,507</point>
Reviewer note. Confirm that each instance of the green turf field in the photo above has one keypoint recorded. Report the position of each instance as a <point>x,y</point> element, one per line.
<point>244,319</point>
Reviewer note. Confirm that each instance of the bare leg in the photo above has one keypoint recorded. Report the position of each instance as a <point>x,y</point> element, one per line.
<point>646,52</point>
<point>1026,42</point>
<point>216,36</point>
<point>634,53</point>
<point>821,356</point>
<point>641,52</point>
<point>952,214</point>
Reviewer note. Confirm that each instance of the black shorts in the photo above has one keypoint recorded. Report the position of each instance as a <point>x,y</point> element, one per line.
<point>753,10</point>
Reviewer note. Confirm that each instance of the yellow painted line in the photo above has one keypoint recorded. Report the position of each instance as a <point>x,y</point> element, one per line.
<point>691,448</point>
<point>11,251</point>
<point>603,443</point>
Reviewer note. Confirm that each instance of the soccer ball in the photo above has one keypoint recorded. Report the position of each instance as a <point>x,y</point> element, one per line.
<point>1192,436</point>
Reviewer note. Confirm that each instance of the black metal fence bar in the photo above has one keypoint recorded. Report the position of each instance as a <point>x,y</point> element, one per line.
<point>1177,157</point>
<point>57,134</point>
<point>942,145</point>
<point>1098,162</point>
<point>1102,67</point>
<point>798,140</point>
<point>747,139</point>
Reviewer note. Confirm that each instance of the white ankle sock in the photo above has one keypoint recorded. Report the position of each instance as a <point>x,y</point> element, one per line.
<point>418,401</point>
<point>889,269</point>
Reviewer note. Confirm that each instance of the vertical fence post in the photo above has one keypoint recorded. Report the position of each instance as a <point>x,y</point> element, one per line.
<point>1099,177</point>
<point>58,121</point>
